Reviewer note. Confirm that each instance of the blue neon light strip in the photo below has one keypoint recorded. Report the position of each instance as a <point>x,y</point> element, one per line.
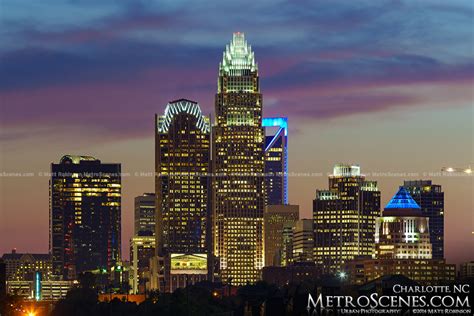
<point>281,122</point>
<point>38,286</point>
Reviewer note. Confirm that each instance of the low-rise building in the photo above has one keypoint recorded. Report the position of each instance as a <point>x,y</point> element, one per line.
<point>51,290</point>
<point>423,271</point>
<point>23,266</point>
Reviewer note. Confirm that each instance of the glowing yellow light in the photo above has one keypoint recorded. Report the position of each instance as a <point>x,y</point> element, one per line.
<point>468,170</point>
<point>31,314</point>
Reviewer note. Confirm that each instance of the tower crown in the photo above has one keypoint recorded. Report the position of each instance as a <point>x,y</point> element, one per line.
<point>402,200</point>
<point>346,170</point>
<point>75,159</point>
<point>183,106</point>
<point>238,58</point>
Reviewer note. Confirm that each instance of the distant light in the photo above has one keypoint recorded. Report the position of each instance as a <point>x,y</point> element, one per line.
<point>31,314</point>
<point>468,171</point>
<point>449,169</point>
<point>342,275</point>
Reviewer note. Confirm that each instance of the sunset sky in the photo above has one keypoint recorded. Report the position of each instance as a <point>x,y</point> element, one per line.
<point>384,84</point>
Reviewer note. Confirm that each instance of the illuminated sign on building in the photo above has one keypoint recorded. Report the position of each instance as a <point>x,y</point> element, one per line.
<point>188,263</point>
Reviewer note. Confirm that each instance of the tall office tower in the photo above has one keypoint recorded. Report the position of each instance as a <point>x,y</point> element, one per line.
<point>430,198</point>
<point>145,213</point>
<point>276,161</point>
<point>303,241</point>
<point>344,218</point>
<point>142,249</point>
<point>182,164</point>
<point>277,219</point>
<point>239,162</point>
<point>85,222</point>
<point>402,232</point>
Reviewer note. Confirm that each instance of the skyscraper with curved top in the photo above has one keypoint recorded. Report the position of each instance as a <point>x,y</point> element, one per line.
<point>182,154</point>
<point>238,163</point>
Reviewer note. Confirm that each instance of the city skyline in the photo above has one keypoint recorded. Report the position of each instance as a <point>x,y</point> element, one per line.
<point>379,106</point>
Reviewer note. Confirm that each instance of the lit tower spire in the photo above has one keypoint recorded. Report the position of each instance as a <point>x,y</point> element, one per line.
<point>238,61</point>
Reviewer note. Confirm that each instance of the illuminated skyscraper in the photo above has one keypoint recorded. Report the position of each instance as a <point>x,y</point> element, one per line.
<point>344,218</point>
<point>276,160</point>
<point>239,164</point>
<point>85,219</point>
<point>403,231</point>
<point>278,221</point>
<point>182,164</point>
<point>145,213</point>
<point>430,198</point>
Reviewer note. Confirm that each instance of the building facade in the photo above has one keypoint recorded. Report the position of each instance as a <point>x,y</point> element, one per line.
<point>430,198</point>
<point>466,270</point>
<point>182,190</point>
<point>295,273</point>
<point>276,160</point>
<point>50,290</point>
<point>239,165</point>
<point>303,241</point>
<point>424,271</point>
<point>23,266</point>
<point>344,218</point>
<point>277,220</point>
<point>85,215</point>
<point>142,249</point>
<point>145,214</point>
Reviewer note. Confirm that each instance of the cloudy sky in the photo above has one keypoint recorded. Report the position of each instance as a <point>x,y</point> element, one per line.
<point>384,84</point>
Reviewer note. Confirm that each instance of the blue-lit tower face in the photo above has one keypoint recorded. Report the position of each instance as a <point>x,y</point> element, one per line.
<point>276,160</point>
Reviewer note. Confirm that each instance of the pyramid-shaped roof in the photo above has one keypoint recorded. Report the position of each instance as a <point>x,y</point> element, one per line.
<point>402,199</point>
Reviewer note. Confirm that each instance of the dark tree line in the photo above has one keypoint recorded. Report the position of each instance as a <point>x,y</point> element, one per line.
<point>251,300</point>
